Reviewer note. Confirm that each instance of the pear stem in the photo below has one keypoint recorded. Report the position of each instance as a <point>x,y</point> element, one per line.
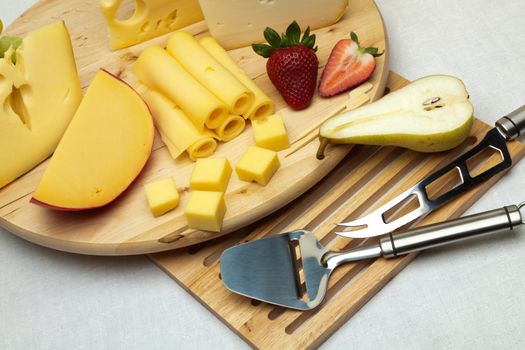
<point>322,146</point>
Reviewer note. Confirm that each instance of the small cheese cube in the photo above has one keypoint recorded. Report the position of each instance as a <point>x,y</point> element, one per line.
<point>270,133</point>
<point>162,196</point>
<point>257,164</point>
<point>205,210</point>
<point>211,174</point>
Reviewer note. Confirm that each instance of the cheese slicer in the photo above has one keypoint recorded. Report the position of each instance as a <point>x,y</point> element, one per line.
<point>292,269</point>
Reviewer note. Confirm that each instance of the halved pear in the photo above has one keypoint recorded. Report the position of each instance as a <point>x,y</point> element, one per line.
<point>431,114</point>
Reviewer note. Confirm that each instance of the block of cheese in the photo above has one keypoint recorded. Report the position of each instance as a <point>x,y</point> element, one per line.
<point>236,23</point>
<point>205,210</point>
<point>150,18</point>
<point>38,97</point>
<point>230,128</point>
<point>104,148</point>
<point>211,174</point>
<point>270,133</point>
<point>257,164</point>
<point>162,196</point>
<point>262,105</point>
<point>159,71</point>
<point>210,73</point>
<point>175,128</point>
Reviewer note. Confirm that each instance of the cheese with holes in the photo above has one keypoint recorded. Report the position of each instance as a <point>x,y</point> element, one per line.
<point>257,164</point>
<point>162,196</point>
<point>270,133</point>
<point>262,105</point>
<point>236,23</point>
<point>38,97</point>
<point>211,174</point>
<point>205,210</point>
<point>149,19</point>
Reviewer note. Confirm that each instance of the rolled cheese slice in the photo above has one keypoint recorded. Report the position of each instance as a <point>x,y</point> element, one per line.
<point>158,70</point>
<point>210,73</point>
<point>231,127</point>
<point>262,106</point>
<point>175,128</point>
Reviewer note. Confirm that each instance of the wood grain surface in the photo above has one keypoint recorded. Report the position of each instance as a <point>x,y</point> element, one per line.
<point>127,226</point>
<point>367,178</point>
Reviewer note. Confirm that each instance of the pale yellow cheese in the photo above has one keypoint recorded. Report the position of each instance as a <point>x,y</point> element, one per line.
<point>211,174</point>
<point>257,164</point>
<point>230,128</point>
<point>205,210</point>
<point>210,73</point>
<point>150,18</point>
<point>104,148</point>
<point>162,196</point>
<point>270,133</point>
<point>236,23</point>
<point>38,97</point>
<point>159,71</point>
<point>262,106</point>
<point>175,128</point>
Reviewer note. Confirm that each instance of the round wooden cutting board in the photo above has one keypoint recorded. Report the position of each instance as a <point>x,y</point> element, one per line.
<point>126,226</point>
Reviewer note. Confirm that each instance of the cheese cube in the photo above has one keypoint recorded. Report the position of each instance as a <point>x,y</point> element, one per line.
<point>205,210</point>
<point>257,164</point>
<point>270,133</point>
<point>162,196</point>
<point>211,174</point>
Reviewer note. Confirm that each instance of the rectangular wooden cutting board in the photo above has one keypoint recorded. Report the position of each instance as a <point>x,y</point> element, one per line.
<point>367,178</point>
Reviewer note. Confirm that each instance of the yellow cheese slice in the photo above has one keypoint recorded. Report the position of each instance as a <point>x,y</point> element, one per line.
<point>104,148</point>
<point>151,18</point>
<point>231,127</point>
<point>38,97</point>
<point>176,130</point>
<point>236,23</point>
<point>156,69</point>
<point>262,106</point>
<point>210,73</point>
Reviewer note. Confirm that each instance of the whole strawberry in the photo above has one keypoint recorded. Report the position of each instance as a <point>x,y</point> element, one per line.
<point>292,64</point>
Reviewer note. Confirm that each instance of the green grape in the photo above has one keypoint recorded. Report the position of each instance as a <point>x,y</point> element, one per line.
<point>1,26</point>
<point>9,41</point>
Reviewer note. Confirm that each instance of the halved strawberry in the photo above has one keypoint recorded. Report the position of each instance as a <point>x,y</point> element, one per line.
<point>348,66</point>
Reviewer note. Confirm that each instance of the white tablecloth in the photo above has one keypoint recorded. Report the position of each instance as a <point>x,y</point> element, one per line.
<point>470,295</point>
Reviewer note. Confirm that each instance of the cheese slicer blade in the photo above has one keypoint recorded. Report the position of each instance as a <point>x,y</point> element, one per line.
<point>292,269</point>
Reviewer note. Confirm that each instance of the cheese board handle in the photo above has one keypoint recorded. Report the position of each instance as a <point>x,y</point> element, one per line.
<point>512,125</point>
<point>492,221</point>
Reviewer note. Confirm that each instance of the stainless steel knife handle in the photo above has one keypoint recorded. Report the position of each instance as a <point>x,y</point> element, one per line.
<point>503,219</point>
<point>513,124</point>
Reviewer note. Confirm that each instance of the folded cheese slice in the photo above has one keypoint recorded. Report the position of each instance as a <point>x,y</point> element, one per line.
<point>210,73</point>
<point>159,71</point>
<point>230,128</point>
<point>176,130</point>
<point>262,106</point>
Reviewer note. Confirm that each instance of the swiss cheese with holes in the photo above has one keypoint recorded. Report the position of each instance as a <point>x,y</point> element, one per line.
<point>150,18</point>
<point>39,95</point>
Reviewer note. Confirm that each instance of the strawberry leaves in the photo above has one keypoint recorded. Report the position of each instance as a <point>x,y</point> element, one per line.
<point>374,51</point>
<point>291,37</point>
